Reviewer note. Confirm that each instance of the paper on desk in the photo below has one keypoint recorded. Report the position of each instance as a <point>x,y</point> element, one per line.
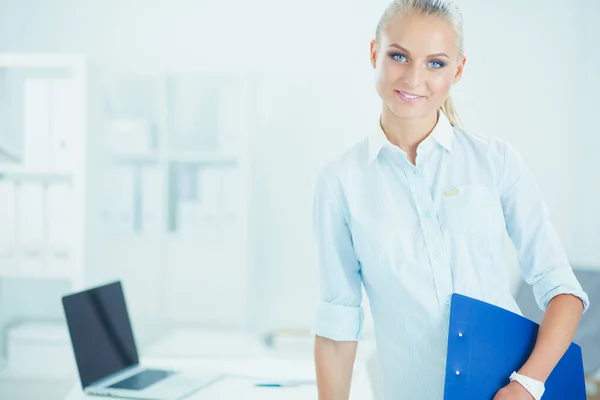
<point>275,369</point>
<point>192,343</point>
<point>260,368</point>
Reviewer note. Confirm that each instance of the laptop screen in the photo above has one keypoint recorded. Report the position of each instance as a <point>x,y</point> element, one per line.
<point>100,331</point>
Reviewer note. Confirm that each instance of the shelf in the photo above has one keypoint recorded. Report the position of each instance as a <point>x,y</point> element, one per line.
<point>19,173</point>
<point>136,158</point>
<point>20,60</point>
<point>16,273</point>
<point>203,158</point>
<point>180,157</point>
<point>215,230</point>
<point>7,374</point>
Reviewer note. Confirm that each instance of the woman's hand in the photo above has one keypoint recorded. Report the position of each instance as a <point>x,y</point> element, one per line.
<point>513,391</point>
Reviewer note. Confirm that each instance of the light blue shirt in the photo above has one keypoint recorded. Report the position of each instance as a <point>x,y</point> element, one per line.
<point>413,235</point>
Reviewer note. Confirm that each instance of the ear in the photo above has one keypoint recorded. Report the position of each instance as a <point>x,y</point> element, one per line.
<point>460,69</point>
<point>373,53</point>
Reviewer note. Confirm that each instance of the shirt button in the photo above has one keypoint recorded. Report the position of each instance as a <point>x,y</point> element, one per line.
<point>427,214</point>
<point>436,255</point>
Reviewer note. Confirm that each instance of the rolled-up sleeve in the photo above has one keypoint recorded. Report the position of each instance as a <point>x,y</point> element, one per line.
<point>339,315</point>
<point>542,259</point>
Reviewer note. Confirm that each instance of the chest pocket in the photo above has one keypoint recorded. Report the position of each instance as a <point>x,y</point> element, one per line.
<point>475,212</point>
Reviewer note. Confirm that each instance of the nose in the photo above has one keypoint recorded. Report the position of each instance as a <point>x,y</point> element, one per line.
<point>412,76</point>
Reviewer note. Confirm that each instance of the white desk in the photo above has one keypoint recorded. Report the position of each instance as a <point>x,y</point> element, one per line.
<point>233,387</point>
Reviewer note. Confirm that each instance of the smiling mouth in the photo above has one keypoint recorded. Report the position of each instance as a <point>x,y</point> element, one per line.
<point>409,95</point>
<point>408,98</point>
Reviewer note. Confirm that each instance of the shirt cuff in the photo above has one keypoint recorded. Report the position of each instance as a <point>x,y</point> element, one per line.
<point>338,322</point>
<point>558,281</point>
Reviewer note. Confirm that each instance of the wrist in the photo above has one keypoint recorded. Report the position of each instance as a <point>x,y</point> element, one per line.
<point>534,387</point>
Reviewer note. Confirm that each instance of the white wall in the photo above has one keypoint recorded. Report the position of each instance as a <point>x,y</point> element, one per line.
<point>303,122</point>
<point>519,87</point>
<point>528,80</point>
<point>585,180</point>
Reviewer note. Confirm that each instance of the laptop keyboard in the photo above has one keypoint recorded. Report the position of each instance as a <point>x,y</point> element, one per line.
<point>142,379</point>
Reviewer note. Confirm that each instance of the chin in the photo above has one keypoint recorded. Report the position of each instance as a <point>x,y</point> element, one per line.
<point>402,111</point>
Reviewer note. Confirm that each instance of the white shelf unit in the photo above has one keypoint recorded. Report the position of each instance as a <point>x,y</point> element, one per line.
<point>49,123</point>
<point>179,146</point>
<point>42,187</point>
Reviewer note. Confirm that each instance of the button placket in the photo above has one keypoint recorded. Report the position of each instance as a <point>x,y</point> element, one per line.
<point>432,235</point>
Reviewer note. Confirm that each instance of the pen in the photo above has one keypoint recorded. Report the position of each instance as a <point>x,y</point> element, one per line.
<point>283,384</point>
<point>270,385</point>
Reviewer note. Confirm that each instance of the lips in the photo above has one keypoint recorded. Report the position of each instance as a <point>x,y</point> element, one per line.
<point>407,97</point>
<point>408,94</point>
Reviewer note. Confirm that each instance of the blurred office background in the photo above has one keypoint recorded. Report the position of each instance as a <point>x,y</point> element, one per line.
<point>174,145</point>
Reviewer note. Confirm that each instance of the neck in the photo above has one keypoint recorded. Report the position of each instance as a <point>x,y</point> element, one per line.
<point>407,133</point>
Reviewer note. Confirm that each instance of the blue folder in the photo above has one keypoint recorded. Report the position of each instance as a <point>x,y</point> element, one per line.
<point>487,343</point>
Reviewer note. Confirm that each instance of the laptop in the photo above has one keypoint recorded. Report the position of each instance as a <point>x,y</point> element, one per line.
<point>106,353</point>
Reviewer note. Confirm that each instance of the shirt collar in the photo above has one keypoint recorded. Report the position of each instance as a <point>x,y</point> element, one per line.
<point>442,133</point>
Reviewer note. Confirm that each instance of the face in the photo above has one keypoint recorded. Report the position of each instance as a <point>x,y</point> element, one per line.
<point>416,63</point>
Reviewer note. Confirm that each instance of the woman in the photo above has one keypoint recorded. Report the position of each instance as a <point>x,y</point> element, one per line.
<point>420,210</point>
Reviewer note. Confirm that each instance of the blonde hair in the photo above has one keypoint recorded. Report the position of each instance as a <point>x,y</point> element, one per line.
<point>445,9</point>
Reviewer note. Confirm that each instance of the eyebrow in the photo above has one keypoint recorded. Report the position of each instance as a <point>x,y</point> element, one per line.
<point>408,52</point>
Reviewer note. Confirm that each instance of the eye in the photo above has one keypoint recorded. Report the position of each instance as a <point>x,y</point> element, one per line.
<point>436,64</point>
<point>398,57</point>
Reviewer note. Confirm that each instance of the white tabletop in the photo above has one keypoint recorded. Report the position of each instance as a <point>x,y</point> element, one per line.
<point>242,375</point>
